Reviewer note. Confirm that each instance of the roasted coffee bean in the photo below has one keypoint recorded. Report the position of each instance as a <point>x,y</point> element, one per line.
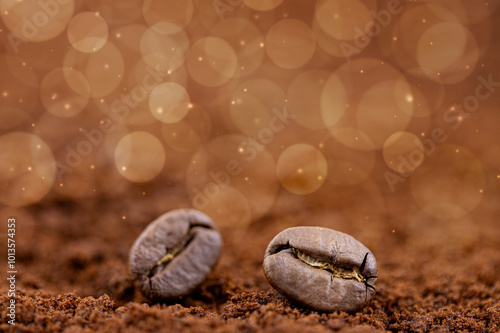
<point>174,254</point>
<point>322,269</point>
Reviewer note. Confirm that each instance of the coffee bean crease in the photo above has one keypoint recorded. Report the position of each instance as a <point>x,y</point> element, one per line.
<point>343,272</point>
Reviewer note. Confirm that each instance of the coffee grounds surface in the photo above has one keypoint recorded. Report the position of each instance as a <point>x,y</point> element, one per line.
<point>436,276</point>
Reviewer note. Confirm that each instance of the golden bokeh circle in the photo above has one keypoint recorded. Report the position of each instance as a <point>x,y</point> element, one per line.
<point>254,105</point>
<point>232,161</point>
<point>103,69</point>
<point>304,98</point>
<point>230,208</point>
<point>211,61</point>
<point>36,23</point>
<point>87,32</point>
<point>163,52</point>
<point>139,156</point>
<point>301,169</point>
<point>246,40</point>
<point>290,43</point>
<point>362,111</point>
<point>64,92</point>
<point>403,152</point>
<point>169,102</point>
<point>447,52</point>
<point>27,171</point>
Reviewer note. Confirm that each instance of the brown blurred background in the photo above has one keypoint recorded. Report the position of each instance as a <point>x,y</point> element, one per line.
<point>380,110</point>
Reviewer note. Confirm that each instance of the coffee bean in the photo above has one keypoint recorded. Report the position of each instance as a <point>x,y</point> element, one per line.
<point>174,254</point>
<point>322,269</point>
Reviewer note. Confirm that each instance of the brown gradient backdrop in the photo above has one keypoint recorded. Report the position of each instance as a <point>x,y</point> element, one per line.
<point>375,118</point>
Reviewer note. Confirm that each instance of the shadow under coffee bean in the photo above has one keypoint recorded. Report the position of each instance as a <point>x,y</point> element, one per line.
<point>322,269</point>
<point>174,254</point>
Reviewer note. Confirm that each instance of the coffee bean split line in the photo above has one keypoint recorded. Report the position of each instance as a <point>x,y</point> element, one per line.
<point>171,253</point>
<point>169,256</point>
<point>343,272</point>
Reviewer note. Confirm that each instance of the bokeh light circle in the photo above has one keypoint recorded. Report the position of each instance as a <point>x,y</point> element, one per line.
<point>87,32</point>
<point>111,64</point>
<point>360,109</point>
<point>246,40</point>
<point>427,96</point>
<point>232,161</point>
<point>383,109</point>
<point>333,100</point>
<point>304,98</point>
<point>290,43</point>
<point>411,25</point>
<point>211,61</point>
<point>169,102</point>
<point>301,169</point>
<point>168,17</point>
<point>165,52</point>
<point>447,51</point>
<point>436,38</point>
<point>403,152</point>
<point>104,69</point>
<point>331,45</point>
<point>449,36</point>
<point>230,208</point>
<point>64,92</point>
<point>139,156</point>
<point>255,108</point>
<point>27,171</point>
<point>35,23</point>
